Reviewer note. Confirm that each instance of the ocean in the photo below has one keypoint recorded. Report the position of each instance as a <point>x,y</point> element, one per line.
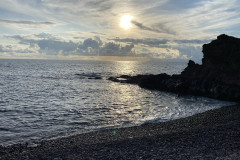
<point>45,99</point>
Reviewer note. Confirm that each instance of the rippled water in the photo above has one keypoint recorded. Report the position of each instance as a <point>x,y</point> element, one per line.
<point>41,99</point>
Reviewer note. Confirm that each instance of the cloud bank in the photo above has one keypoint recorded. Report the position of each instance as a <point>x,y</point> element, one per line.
<point>25,22</point>
<point>47,44</point>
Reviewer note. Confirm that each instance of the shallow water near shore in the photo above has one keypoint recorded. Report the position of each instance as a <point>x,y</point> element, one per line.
<point>42,99</point>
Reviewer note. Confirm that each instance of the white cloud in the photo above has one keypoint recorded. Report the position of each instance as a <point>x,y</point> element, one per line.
<point>49,45</point>
<point>113,49</point>
<point>215,15</point>
<point>25,22</point>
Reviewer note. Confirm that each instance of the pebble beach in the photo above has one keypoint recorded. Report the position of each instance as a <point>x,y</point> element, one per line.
<point>214,134</point>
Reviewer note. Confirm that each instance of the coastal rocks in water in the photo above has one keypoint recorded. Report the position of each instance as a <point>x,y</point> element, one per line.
<point>218,76</point>
<point>89,75</point>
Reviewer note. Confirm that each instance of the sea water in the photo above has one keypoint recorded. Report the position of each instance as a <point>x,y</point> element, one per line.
<point>43,99</point>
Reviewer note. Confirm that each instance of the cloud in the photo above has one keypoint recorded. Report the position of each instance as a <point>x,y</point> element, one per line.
<point>25,22</point>
<point>161,53</point>
<point>145,41</point>
<point>47,43</point>
<point>92,43</point>
<point>160,28</point>
<point>210,17</point>
<point>98,33</point>
<point>51,45</point>
<point>175,6</point>
<point>151,42</point>
<point>44,35</point>
<point>97,47</point>
<point>163,48</point>
<point>194,41</point>
<point>89,47</point>
<point>9,51</point>
<point>1,48</point>
<point>143,27</point>
<point>55,47</point>
<point>113,49</point>
<point>184,17</point>
<point>100,6</point>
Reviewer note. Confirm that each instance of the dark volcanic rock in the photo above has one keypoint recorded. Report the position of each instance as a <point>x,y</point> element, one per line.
<point>218,76</point>
<point>222,54</point>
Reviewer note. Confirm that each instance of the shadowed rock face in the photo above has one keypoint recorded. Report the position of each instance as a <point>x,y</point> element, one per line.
<point>218,76</point>
<point>222,54</point>
<point>220,63</point>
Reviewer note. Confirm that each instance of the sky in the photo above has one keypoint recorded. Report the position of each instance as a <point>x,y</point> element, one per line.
<point>70,29</point>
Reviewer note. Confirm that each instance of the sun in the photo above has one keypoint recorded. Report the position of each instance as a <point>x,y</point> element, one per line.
<point>126,21</point>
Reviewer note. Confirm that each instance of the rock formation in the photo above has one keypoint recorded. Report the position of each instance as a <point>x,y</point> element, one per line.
<point>222,54</point>
<point>218,76</point>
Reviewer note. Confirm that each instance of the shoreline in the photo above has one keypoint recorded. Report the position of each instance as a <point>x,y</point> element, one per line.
<point>208,135</point>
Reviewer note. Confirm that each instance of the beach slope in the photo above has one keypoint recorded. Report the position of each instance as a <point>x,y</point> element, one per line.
<point>214,134</point>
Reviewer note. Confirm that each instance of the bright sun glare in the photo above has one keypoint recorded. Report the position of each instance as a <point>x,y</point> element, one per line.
<point>126,21</point>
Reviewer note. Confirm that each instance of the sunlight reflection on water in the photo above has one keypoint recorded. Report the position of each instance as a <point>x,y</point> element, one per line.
<point>44,99</point>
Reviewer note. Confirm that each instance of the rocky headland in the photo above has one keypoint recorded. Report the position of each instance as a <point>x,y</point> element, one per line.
<point>218,77</point>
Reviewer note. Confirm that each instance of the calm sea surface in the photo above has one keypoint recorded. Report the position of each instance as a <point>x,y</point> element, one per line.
<point>42,99</point>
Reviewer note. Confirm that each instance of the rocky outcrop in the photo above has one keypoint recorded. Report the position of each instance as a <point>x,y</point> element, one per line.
<point>218,76</point>
<point>222,54</point>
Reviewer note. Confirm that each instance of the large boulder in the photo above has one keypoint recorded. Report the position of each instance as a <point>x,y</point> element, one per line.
<point>222,54</point>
